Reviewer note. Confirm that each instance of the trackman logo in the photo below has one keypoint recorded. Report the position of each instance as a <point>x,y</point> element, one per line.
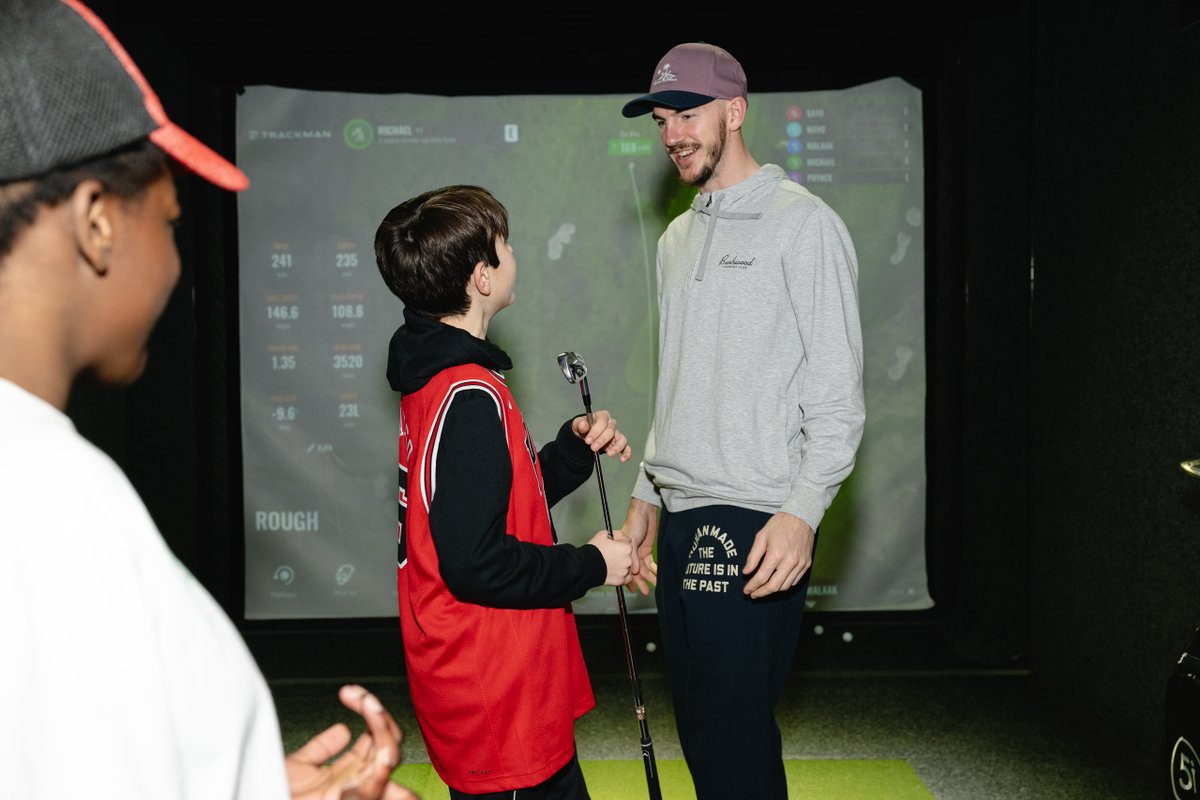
<point>736,262</point>
<point>664,75</point>
<point>287,135</point>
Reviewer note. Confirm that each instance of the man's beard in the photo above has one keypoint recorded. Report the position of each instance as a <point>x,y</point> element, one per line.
<point>714,159</point>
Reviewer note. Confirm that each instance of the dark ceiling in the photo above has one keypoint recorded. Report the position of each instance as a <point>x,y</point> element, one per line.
<point>377,46</point>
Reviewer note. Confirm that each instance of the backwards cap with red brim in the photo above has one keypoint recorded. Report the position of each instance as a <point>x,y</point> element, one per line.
<point>70,92</point>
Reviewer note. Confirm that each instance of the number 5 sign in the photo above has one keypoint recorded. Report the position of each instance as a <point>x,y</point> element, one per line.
<point>1183,770</point>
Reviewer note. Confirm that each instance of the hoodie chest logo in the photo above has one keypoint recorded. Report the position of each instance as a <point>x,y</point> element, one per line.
<point>736,262</point>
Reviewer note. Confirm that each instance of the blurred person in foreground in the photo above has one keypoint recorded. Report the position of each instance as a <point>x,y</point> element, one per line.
<point>121,676</point>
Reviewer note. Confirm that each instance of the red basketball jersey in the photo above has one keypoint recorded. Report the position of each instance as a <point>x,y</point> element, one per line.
<point>496,691</point>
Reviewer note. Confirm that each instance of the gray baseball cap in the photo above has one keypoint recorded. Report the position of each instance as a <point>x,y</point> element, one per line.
<point>691,75</point>
<point>69,93</point>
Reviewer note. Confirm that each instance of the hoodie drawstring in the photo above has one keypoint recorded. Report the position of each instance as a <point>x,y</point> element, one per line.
<point>698,273</point>
<point>708,237</point>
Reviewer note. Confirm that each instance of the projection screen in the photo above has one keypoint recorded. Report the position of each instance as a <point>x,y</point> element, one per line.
<point>588,194</point>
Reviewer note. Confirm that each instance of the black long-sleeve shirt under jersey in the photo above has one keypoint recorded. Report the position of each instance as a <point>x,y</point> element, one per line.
<point>478,560</point>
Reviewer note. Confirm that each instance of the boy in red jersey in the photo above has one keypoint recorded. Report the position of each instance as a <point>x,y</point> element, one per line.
<point>494,664</point>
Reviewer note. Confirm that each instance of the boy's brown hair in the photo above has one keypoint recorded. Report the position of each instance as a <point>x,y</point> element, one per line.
<point>427,247</point>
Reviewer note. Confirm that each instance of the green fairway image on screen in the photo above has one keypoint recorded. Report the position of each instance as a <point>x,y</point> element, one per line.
<point>588,194</point>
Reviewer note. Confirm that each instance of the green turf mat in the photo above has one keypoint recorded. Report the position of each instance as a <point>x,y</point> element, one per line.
<point>841,779</point>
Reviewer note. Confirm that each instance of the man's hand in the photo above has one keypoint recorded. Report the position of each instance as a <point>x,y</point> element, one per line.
<point>361,773</point>
<point>781,554</point>
<point>602,435</point>
<point>641,526</point>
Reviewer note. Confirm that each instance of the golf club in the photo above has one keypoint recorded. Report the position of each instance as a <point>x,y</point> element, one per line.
<point>574,369</point>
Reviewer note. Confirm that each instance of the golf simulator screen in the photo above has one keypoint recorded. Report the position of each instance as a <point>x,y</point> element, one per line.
<point>588,193</point>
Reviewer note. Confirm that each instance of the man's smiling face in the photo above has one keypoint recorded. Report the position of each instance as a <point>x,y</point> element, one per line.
<point>694,139</point>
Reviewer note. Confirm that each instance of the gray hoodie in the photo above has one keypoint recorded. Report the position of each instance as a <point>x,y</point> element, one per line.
<point>760,400</point>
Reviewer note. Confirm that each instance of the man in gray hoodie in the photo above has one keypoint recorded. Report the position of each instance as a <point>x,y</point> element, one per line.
<point>758,414</point>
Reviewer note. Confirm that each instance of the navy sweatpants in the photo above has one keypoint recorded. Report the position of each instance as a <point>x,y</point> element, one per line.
<point>727,655</point>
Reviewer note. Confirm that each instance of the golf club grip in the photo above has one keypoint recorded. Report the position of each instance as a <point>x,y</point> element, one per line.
<point>651,768</point>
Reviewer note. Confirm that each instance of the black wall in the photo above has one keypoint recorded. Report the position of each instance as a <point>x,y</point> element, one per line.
<point>1115,363</point>
<point>1064,538</point>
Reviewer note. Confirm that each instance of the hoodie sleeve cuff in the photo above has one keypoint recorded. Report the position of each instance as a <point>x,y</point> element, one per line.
<point>573,449</point>
<point>806,503</point>
<point>595,570</point>
<point>645,489</point>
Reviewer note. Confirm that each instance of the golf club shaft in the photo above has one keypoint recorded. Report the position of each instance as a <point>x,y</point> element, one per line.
<point>639,706</point>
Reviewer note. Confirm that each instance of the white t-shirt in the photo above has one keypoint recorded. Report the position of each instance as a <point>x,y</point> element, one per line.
<point>120,677</point>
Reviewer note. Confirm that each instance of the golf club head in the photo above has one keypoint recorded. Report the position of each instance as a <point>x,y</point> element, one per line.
<point>572,366</point>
